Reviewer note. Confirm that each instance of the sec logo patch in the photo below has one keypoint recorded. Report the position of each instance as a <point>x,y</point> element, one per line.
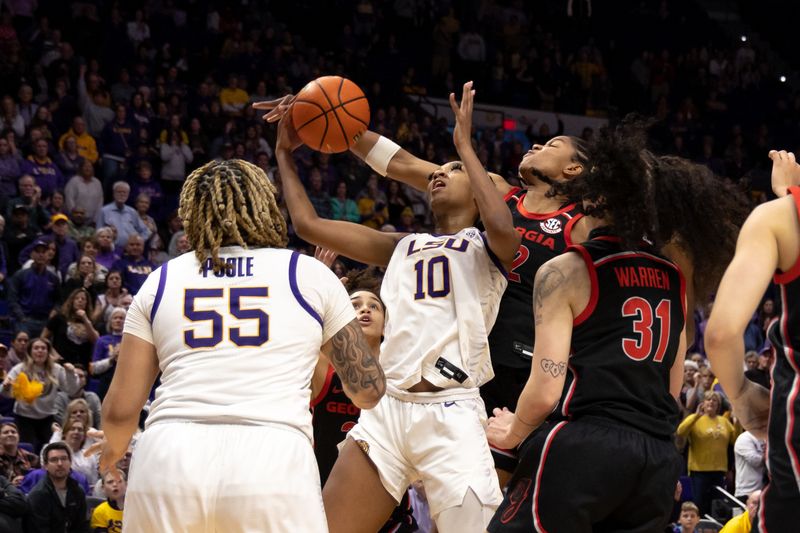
<point>551,225</point>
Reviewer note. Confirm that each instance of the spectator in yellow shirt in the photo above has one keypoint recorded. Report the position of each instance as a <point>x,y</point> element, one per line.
<point>232,98</point>
<point>87,146</point>
<point>744,522</point>
<point>107,517</point>
<point>709,435</point>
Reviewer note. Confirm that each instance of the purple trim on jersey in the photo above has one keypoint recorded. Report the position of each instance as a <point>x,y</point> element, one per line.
<point>493,257</point>
<point>162,281</point>
<point>296,291</point>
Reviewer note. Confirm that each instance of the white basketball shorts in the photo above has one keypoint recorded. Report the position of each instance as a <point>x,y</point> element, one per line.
<point>188,477</point>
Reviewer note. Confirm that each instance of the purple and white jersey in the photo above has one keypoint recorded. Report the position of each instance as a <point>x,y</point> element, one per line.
<point>238,347</point>
<point>442,293</point>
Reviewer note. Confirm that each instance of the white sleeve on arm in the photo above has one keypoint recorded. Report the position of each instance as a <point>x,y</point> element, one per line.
<point>137,322</point>
<point>326,295</point>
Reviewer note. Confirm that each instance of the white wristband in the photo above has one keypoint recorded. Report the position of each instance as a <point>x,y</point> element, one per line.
<point>378,158</point>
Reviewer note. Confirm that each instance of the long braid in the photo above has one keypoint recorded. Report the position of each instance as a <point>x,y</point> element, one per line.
<point>230,202</point>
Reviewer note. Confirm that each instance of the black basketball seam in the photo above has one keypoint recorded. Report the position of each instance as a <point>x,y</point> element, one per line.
<point>313,119</point>
<point>344,133</point>
<point>353,116</point>
<point>343,104</point>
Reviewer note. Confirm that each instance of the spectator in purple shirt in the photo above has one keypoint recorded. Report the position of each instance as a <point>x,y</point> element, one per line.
<point>106,350</point>
<point>10,169</point>
<point>46,173</point>
<point>135,267</point>
<point>66,248</point>
<point>33,292</point>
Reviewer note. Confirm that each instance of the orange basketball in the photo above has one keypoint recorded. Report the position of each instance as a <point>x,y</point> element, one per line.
<point>329,113</point>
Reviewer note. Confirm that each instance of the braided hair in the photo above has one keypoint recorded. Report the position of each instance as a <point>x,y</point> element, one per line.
<point>230,202</point>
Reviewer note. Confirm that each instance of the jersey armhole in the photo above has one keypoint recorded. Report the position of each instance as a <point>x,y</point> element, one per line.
<point>325,387</point>
<point>568,228</point>
<point>793,273</point>
<point>511,194</point>
<point>296,290</point>
<point>593,297</point>
<point>492,255</point>
<point>162,282</point>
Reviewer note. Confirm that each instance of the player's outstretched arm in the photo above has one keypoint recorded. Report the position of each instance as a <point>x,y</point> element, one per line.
<point>137,368</point>
<point>557,284</point>
<point>345,238</point>
<point>739,294</point>
<point>362,377</point>
<point>386,158</point>
<point>503,239</point>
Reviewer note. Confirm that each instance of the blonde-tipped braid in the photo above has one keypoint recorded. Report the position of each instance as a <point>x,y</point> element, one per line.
<point>230,202</point>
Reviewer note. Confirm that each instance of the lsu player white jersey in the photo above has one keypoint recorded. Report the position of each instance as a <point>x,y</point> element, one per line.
<point>238,347</point>
<point>442,294</point>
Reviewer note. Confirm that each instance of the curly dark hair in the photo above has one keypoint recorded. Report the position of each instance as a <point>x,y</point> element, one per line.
<point>364,279</point>
<point>664,199</point>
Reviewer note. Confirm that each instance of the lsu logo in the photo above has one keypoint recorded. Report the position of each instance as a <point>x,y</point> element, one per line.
<point>551,226</point>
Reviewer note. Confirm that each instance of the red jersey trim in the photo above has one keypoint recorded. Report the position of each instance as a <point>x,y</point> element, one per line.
<point>794,272</point>
<point>510,194</point>
<point>570,391</point>
<point>541,216</point>
<point>568,228</point>
<point>595,290</point>
<point>325,387</point>
<point>537,521</point>
<point>791,400</point>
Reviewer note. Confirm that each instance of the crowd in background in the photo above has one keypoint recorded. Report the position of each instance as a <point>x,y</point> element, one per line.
<point>105,107</point>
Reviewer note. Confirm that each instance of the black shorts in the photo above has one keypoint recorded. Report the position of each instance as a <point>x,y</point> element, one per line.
<point>503,391</point>
<point>777,513</point>
<point>590,475</point>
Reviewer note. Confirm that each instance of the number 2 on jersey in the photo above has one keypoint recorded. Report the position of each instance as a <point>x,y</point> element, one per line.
<point>193,297</point>
<point>519,259</point>
<point>641,348</point>
<point>436,288</point>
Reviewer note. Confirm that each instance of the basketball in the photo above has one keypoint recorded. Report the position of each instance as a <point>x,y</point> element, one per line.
<point>329,113</point>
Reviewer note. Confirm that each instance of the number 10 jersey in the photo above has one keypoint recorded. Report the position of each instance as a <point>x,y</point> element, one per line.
<point>442,293</point>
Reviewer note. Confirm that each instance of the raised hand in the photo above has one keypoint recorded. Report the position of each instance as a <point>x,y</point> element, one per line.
<point>276,108</point>
<point>785,172</point>
<point>462,133</point>
<point>287,135</point>
<point>325,256</point>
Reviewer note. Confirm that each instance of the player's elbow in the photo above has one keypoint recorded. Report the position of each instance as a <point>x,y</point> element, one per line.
<point>718,335</point>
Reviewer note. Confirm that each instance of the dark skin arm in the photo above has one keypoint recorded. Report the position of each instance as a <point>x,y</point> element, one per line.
<point>404,167</point>
<point>345,238</point>
<point>501,236</point>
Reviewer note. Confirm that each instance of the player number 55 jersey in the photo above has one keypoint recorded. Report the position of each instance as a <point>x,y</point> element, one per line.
<point>238,347</point>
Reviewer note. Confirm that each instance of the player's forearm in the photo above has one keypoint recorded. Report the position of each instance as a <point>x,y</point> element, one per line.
<point>725,350</point>
<point>300,208</point>
<point>533,408</point>
<point>494,213</point>
<point>402,166</point>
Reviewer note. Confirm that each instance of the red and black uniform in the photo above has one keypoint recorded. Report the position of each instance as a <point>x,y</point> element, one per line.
<point>334,416</point>
<point>611,464</point>
<point>780,502</point>
<point>544,236</point>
